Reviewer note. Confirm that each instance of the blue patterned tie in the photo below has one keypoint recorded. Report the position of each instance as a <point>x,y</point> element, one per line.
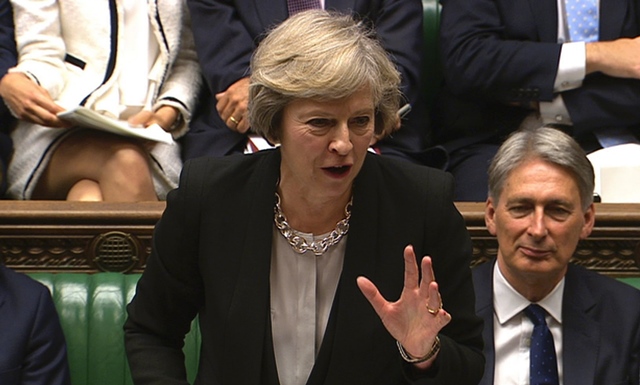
<point>295,6</point>
<point>542,356</point>
<point>582,19</point>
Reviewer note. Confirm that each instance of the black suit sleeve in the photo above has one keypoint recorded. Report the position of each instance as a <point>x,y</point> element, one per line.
<point>488,49</point>
<point>168,294</point>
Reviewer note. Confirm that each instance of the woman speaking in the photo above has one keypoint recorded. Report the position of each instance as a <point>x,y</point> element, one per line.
<point>304,263</point>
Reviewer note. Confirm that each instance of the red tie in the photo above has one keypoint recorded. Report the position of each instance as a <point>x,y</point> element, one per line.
<point>296,6</point>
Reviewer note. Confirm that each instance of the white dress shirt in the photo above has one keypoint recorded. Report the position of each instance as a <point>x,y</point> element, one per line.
<point>512,330</point>
<point>571,72</point>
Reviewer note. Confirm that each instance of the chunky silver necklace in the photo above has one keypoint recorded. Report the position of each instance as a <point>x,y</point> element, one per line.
<point>299,244</point>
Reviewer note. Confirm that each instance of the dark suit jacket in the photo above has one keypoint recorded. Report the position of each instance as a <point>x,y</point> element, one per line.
<point>227,32</point>
<point>8,57</point>
<point>211,257</point>
<point>601,327</point>
<point>501,55</point>
<point>32,346</point>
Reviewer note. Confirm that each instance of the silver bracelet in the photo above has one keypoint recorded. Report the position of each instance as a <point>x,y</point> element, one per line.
<point>435,348</point>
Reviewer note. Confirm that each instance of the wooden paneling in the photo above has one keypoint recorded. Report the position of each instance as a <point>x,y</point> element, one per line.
<point>48,236</point>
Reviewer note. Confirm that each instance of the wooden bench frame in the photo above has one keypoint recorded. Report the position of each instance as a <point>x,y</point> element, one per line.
<point>57,236</point>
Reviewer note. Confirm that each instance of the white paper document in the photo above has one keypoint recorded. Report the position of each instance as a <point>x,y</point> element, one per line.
<point>85,117</point>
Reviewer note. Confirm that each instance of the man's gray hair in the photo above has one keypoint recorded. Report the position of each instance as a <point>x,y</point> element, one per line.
<point>548,144</point>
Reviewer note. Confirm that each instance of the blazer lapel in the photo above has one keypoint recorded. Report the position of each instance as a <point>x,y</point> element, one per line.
<point>580,333</point>
<point>545,18</point>
<point>355,319</point>
<point>483,284</point>
<point>249,310</point>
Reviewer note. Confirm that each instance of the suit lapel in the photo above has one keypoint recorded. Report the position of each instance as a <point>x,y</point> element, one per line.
<point>612,14</point>
<point>544,12</point>
<point>483,283</point>
<point>580,332</point>
<point>249,311</point>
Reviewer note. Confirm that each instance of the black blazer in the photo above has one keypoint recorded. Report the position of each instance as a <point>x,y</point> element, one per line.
<point>227,32</point>
<point>32,345</point>
<point>600,333</point>
<point>501,55</point>
<point>211,257</point>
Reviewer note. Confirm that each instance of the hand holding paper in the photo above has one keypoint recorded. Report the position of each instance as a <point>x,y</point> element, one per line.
<point>88,118</point>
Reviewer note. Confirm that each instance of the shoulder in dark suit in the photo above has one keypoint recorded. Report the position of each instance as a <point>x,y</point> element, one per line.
<point>600,332</point>
<point>33,347</point>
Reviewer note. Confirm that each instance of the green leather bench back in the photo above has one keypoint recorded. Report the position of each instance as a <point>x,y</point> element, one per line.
<point>633,281</point>
<point>92,310</point>
<point>432,70</point>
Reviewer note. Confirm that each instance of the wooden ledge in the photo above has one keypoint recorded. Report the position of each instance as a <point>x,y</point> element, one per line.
<point>49,236</point>
<point>58,212</point>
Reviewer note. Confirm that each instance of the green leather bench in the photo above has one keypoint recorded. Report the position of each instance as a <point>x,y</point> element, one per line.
<point>92,311</point>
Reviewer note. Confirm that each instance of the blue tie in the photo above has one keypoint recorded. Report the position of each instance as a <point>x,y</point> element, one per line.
<point>582,19</point>
<point>543,364</point>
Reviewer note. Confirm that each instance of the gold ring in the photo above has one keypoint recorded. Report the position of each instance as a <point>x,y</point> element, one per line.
<point>433,311</point>
<point>234,120</point>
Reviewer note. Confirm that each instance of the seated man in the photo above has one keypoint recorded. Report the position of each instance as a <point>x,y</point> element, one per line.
<point>33,349</point>
<point>539,207</point>
<point>510,60</point>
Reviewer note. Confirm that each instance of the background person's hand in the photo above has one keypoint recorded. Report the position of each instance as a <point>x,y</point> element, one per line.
<point>232,105</point>
<point>30,102</point>
<point>165,117</point>
<point>618,58</point>
<point>417,317</point>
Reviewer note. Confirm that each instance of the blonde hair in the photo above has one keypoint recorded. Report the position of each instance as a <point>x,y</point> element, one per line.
<point>321,55</point>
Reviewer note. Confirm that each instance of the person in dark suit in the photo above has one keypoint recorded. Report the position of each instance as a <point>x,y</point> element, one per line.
<point>539,206</point>
<point>33,346</point>
<point>8,59</point>
<point>271,250</point>
<point>225,53</point>
<point>508,63</point>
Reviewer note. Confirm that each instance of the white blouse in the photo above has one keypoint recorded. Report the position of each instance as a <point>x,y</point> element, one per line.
<point>302,290</point>
<point>137,55</point>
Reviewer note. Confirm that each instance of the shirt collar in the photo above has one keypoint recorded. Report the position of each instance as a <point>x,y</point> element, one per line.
<point>507,302</point>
